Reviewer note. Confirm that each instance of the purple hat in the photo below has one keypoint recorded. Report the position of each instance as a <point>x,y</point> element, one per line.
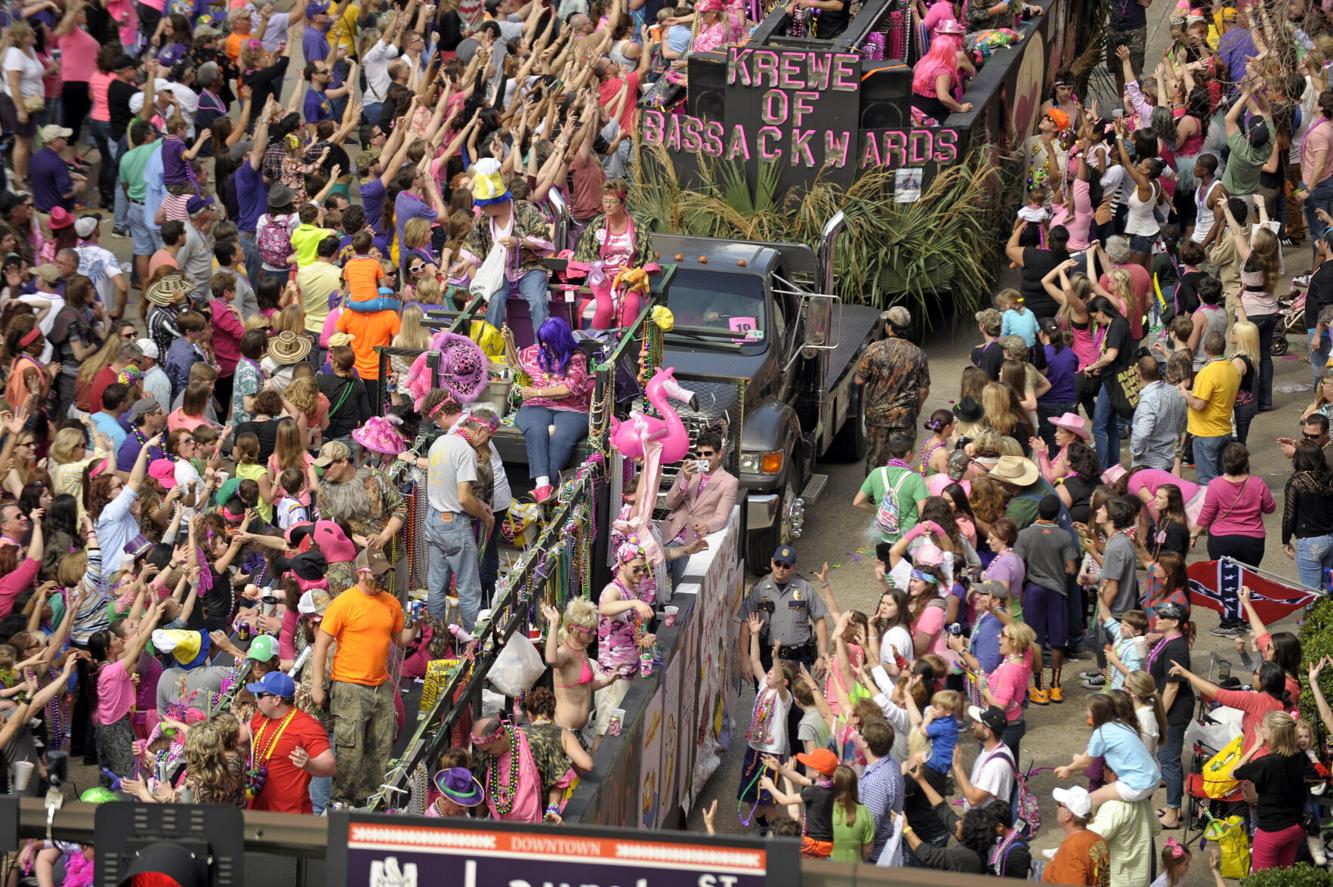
<point>138,546</point>
<point>460,786</point>
<point>198,204</point>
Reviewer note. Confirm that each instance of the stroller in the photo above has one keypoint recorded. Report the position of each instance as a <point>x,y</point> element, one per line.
<point>1291,316</point>
<point>1205,737</point>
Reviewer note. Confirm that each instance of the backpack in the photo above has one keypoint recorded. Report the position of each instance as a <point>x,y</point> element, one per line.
<point>1024,806</point>
<point>275,242</point>
<point>887,517</point>
<point>998,863</point>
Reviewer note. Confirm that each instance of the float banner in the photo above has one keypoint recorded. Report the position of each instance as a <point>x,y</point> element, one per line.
<point>795,108</point>
<point>397,851</point>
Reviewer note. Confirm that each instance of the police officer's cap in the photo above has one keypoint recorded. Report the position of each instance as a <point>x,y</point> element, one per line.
<point>785,556</point>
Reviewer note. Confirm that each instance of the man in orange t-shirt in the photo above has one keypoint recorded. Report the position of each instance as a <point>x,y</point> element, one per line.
<point>369,330</point>
<point>365,620</point>
<point>1082,857</point>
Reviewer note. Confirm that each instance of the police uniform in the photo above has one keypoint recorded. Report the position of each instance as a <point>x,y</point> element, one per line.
<point>795,608</point>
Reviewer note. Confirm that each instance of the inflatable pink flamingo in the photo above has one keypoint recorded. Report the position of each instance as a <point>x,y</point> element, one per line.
<point>630,435</point>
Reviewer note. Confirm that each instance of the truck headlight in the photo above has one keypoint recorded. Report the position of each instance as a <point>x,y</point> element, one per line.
<point>762,463</point>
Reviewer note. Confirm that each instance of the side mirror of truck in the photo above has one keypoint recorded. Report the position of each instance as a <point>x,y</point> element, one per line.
<point>819,307</point>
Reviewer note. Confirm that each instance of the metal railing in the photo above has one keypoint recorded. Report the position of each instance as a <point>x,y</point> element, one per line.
<point>306,838</point>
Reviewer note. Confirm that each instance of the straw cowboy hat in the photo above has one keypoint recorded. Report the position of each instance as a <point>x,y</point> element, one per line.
<point>170,290</point>
<point>1015,470</point>
<point>1074,424</point>
<point>288,348</point>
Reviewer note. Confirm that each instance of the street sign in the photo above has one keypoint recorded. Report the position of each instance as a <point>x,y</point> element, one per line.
<point>371,850</point>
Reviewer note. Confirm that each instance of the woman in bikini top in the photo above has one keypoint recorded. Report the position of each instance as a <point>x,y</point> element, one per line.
<point>567,654</point>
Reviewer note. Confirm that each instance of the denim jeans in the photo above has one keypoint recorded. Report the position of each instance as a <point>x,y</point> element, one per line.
<point>489,570</point>
<point>1168,755</point>
<point>533,288</point>
<point>122,203</point>
<point>106,173</point>
<point>1013,736</point>
<point>1320,197</point>
<point>1314,558</point>
<point>1208,457</point>
<point>452,552</point>
<point>1318,357</point>
<point>1106,429</point>
<point>1267,324</point>
<point>321,791</point>
<point>548,453</point>
<point>253,263</point>
<point>1244,416</point>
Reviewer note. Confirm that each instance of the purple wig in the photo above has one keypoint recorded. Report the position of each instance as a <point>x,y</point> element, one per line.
<point>555,345</point>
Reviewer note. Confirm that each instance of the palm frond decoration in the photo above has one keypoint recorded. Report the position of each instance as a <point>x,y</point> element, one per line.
<point>938,248</point>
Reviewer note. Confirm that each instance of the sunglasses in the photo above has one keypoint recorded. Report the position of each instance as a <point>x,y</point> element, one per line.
<point>485,740</point>
<point>707,454</point>
<point>637,571</point>
<point>1305,434</point>
<point>581,629</point>
<point>266,695</point>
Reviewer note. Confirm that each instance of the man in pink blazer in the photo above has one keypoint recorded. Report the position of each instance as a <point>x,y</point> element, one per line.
<point>700,501</point>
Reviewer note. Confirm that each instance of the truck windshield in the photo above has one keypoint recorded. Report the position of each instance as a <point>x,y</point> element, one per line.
<point>719,302</point>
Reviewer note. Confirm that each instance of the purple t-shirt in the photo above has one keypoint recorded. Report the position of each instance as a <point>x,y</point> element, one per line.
<point>316,107</point>
<point>174,168</point>
<point>251,196</point>
<point>314,44</point>
<point>1007,567</point>
<point>50,181</point>
<point>372,201</point>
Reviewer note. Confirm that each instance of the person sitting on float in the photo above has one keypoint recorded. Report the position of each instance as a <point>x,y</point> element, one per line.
<point>515,225</point>
<point>619,241</point>
<point>558,395</point>
<point>938,77</point>
<point>719,26</point>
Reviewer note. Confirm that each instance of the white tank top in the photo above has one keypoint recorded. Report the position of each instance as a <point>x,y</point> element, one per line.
<point>1141,220</point>
<point>1203,221</point>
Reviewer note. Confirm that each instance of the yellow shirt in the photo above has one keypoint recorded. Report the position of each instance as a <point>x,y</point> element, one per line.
<point>342,31</point>
<point>305,243</point>
<point>1216,383</point>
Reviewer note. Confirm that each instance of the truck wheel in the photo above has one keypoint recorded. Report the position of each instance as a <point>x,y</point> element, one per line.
<point>849,445</point>
<point>760,543</point>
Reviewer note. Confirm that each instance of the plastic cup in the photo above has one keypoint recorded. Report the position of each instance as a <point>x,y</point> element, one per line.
<point>671,616</point>
<point>22,775</point>
<point>615,722</point>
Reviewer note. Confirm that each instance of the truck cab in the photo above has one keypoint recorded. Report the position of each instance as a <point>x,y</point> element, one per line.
<point>767,349</point>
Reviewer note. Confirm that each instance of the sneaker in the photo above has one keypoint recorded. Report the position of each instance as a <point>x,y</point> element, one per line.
<point>1096,682</point>
<point>1228,631</point>
<point>1088,675</point>
<point>542,493</point>
<point>120,232</point>
<point>1316,845</point>
<point>1037,696</point>
<point>1301,280</point>
<point>1056,694</point>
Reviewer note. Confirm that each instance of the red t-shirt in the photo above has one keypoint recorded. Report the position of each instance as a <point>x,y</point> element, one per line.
<point>105,376</point>
<point>287,788</point>
<point>606,96</point>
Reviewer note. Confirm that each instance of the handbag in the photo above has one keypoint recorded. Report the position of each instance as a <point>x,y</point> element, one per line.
<point>491,275</point>
<point>32,103</point>
<point>1124,389</point>
<point>1218,781</point>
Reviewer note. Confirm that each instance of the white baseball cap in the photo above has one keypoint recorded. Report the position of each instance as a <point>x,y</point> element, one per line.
<point>148,347</point>
<point>1076,799</point>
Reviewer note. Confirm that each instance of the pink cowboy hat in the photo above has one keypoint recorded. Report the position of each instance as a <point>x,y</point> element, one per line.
<point>380,435</point>
<point>1074,424</point>
<point>950,26</point>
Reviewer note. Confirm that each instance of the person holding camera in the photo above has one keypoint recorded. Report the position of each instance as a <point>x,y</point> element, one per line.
<point>700,501</point>
<point>792,615</point>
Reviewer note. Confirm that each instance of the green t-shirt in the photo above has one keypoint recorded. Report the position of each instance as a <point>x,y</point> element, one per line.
<point>910,490</point>
<point>1244,164</point>
<point>849,839</point>
<point>132,165</point>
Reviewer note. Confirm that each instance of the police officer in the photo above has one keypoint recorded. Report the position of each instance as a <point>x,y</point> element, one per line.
<point>793,614</point>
